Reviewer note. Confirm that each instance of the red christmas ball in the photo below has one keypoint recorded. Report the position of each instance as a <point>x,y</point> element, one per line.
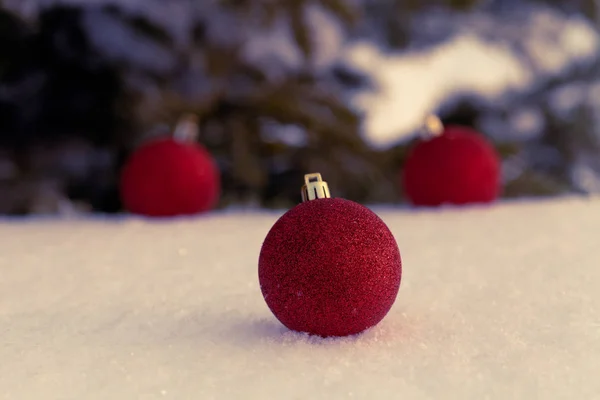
<point>457,167</point>
<point>330,267</point>
<point>167,177</point>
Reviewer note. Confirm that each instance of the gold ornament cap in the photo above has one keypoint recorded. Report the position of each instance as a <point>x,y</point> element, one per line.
<point>314,188</point>
<point>432,127</point>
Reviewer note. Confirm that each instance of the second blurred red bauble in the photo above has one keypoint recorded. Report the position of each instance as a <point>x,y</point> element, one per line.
<point>169,177</point>
<point>330,267</point>
<point>458,166</point>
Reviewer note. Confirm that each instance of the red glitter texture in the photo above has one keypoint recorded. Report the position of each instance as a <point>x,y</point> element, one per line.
<point>330,267</point>
<point>167,178</point>
<point>457,167</point>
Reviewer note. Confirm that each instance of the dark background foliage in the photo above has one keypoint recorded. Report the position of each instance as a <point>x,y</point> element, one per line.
<point>72,107</point>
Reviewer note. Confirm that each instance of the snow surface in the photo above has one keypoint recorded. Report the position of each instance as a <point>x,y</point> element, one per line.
<point>496,302</point>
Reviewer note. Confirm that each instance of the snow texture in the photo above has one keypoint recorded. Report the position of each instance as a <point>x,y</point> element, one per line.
<point>497,302</point>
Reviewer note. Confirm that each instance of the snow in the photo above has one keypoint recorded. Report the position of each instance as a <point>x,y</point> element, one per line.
<point>413,85</point>
<point>487,56</point>
<point>555,50</point>
<point>527,123</point>
<point>584,176</point>
<point>116,40</point>
<point>274,48</point>
<point>565,100</point>
<point>496,302</point>
<point>482,54</point>
<point>271,47</point>
<point>291,135</point>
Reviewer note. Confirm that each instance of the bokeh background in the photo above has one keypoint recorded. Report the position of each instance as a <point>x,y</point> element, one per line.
<point>286,87</point>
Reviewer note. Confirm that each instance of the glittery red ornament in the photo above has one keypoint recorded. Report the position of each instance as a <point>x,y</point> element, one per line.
<point>329,266</point>
<point>457,166</point>
<point>169,177</point>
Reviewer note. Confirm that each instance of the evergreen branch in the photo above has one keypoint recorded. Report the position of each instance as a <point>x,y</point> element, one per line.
<point>343,10</point>
<point>300,28</point>
<point>141,26</point>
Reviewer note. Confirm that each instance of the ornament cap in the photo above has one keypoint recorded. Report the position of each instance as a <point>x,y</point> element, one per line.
<point>186,129</point>
<point>314,187</point>
<point>432,127</point>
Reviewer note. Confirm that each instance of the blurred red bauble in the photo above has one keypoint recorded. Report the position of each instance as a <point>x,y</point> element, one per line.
<point>458,166</point>
<point>329,267</point>
<point>169,177</point>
